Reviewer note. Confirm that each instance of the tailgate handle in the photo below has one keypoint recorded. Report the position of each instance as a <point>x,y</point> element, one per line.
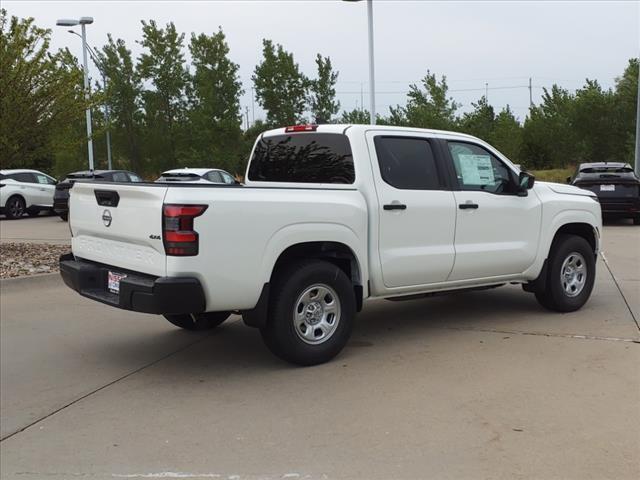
<point>107,198</point>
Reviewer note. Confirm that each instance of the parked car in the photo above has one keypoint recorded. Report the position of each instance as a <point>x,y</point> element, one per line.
<point>197,175</point>
<point>331,216</point>
<point>61,197</point>
<point>25,191</point>
<point>615,184</point>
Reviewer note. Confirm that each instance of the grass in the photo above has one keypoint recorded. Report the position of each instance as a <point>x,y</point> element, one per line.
<point>555,175</point>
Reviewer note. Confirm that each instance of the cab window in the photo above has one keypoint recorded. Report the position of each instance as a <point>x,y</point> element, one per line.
<point>477,169</point>
<point>407,163</point>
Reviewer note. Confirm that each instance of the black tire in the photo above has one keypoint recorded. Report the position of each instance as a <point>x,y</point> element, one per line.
<point>15,207</point>
<point>281,333</point>
<point>198,321</point>
<point>65,216</point>
<point>556,295</point>
<point>636,220</point>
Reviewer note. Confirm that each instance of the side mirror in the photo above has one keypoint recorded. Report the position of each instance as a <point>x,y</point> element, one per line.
<point>568,179</point>
<point>525,182</point>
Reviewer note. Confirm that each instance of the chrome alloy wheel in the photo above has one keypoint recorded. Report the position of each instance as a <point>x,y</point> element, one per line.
<point>316,314</point>
<point>573,274</point>
<point>16,207</point>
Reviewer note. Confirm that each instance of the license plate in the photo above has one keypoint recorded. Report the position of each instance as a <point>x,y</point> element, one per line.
<point>607,188</point>
<point>113,281</point>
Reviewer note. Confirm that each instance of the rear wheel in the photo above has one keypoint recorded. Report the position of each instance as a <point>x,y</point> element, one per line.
<point>198,321</point>
<point>15,207</point>
<point>571,270</point>
<point>636,220</point>
<point>311,313</point>
<point>64,216</point>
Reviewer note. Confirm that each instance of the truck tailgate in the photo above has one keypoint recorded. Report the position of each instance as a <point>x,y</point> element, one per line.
<point>119,225</point>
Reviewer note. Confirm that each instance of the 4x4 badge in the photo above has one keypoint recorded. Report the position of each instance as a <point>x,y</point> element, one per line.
<point>106,218</point>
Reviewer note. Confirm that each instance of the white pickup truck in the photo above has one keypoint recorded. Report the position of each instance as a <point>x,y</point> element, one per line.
<point>331,216</point>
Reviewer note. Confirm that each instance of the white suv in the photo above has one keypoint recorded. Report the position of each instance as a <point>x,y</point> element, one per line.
<point>25,191</point>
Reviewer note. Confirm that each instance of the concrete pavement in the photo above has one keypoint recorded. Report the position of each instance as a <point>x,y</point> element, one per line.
<point>474,385</point>
<point>40,229</point>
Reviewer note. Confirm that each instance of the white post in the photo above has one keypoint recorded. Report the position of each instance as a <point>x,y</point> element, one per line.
<point>372,82</point>
<point>86,95</point>
<point>637,164</point>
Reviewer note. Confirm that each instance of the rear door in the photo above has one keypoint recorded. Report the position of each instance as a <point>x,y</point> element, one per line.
<point>119,225</point>
<point>46,187</point>
<point>417,210</point>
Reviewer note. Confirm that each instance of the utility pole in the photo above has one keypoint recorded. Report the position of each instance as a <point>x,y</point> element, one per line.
<point>372,81</point>
<point>637,164</point>
<point>246,111</point>
<point>486,92</point>
<point>530,94</point>
<point>361,96</point>
<point>253,108</point>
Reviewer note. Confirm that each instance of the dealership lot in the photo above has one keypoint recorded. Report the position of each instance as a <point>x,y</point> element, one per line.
<point>474,385</point>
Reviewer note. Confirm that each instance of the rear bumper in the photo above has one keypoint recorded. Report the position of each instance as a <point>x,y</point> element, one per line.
<point>620,206</point>
<point>138,292</point>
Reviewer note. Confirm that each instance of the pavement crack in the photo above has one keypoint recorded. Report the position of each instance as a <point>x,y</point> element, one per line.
<point>544,334</point>
<point>107,385</point>
<point>615,281</point>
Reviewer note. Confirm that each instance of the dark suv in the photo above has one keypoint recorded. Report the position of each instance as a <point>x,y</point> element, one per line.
<point>615,184</point>
<point>61,196</point>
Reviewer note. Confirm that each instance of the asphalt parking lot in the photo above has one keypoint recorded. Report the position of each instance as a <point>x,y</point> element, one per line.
<point>473,385</point>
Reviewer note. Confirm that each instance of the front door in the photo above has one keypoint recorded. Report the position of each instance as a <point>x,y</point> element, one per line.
<point>497,230</point>
<point>416,211</point>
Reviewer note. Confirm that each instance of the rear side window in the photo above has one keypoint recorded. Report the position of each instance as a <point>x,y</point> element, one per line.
<point>24,177</point>
<point>407,163</point>
<point>119,177</point>
<point>303,158</point>
<point>214,177</point>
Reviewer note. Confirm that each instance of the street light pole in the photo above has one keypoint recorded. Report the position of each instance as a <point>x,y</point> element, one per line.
<point>83,22</point>
<point>372,80</point>
<point>637,164</point>
<point>100,66</point>
<point>86,95</point>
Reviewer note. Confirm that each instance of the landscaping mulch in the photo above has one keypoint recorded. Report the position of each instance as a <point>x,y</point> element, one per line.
<point>20,259</point>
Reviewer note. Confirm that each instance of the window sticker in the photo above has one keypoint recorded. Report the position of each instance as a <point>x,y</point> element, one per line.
<point>476,169</point>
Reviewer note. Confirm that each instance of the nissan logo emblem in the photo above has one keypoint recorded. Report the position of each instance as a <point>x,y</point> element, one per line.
<point>106,218</point>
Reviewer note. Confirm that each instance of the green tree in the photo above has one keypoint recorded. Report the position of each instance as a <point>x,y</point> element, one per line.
<point>548,138</point>
<point>281,87</point>
<point>506,134</point>
<point>41,94</point>
<point>479,122</point>
<point>165,106</point>
<point>124,98</point>
<point>323,93</point>
<point>592,123</point>
<point>215,114</point>
<point>428,106</point>
<point>626,98</point>
<point>355,116</point>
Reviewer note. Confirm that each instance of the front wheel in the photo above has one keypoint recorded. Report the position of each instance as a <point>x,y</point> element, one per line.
<point>198,321</point>
<point>311,313</point>
<point>571,272</point>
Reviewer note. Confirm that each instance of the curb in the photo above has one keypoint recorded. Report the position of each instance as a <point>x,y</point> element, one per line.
<point>39,279</point>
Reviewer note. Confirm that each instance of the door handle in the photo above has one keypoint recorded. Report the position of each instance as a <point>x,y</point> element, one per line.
<point>465,206</point>
<point>395,206</point>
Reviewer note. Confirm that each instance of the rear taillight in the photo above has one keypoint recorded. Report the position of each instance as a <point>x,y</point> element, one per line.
<point>2,185</point>
<point>178,235</point>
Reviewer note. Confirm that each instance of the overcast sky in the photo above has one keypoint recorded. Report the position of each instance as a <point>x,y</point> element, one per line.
<point>472,43</point>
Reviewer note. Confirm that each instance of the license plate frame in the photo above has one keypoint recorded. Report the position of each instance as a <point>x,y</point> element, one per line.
<point>607,188</point>
<point>113,281</point>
